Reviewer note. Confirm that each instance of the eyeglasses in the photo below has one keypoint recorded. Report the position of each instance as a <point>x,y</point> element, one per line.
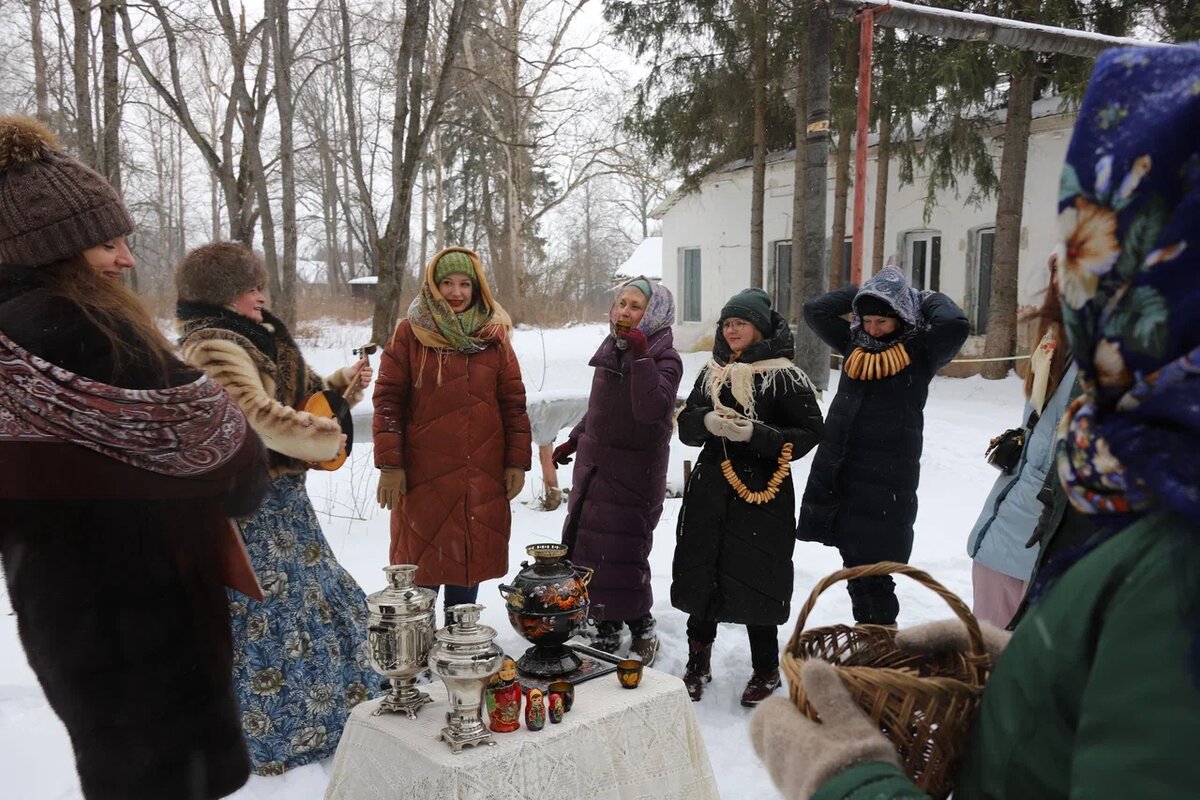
<point>365,350</point>
<point>733,324</point>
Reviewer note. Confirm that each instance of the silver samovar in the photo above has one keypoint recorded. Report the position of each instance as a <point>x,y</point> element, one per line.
<point>465,657</point>
<point>399,635</point>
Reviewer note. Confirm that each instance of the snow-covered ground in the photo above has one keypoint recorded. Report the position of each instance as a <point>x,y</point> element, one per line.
<point>35,754</point>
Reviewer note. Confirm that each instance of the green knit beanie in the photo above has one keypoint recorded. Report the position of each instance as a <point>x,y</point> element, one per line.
<point>454,263</point>
<point>752,305</point>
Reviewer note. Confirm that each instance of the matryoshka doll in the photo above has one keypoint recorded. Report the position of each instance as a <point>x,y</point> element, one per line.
<point>555,709</point>
<point>504,698</point>
<point>535,710</point>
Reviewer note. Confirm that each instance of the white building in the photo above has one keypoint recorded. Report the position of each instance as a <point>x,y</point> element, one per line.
<point>706,233</point>
<point>646,260</point>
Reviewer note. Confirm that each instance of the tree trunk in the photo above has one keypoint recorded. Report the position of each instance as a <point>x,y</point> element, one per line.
<point>1002,312</point>
<point>883,155</point>
<point>111,86</point>
<point>811,353</point>
<point>41,92</point>
<point>85,137</point>
<point>841,179</point>
<point>280,32</point>
<point>759,180</point>
<point>799,197</point>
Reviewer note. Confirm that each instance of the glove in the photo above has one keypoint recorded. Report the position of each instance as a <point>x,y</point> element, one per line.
<point>562,453</point>
<point>637,342</point>
<point>801,755</point>
<point>392,484</point>
<point>737,429</point>
<point>950,635</point>
<point>514,481</point>
<point>715,423</point>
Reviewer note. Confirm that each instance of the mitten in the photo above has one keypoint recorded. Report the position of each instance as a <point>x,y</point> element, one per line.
<point>950,635</point>
<point>562,453</point>
<point>715,423</point>
<point>392,484</point>
<point>637,342</point>
<point>514,481</point>
<point>738,430</point>
<point>801,755</point>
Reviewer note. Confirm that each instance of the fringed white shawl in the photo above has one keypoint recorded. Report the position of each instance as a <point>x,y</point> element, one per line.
<point>739,377</point>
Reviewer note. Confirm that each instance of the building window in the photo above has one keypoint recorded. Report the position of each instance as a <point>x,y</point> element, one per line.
<point>689,282</point>
<point>985,241</point>
<point>847,252</point>
<point>923,259</point>
<point>783,278</point>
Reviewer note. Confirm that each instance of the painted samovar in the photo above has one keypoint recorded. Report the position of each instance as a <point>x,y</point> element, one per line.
<point>399,635</point>
<point>548,603</point>
<point>465,657</point>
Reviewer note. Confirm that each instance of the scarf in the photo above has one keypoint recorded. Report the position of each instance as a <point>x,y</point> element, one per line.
<point>769,361</point>
<point>181,431</point>
<point>660,309</point>
<point>437,326</point>
<point>890,286</point>
<point>1130,282</point>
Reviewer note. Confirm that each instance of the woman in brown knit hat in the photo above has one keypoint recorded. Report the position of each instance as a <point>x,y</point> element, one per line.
<point>300,660</point>
<point>119,468</point>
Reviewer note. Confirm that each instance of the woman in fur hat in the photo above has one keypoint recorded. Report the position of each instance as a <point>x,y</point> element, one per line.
<point>119,468</point>
<point>301,662</point>
<point>753,411</point>
<point>620,476</point>
<point>452,439</point>
<point>862,489</point>
<point>1097,692</point>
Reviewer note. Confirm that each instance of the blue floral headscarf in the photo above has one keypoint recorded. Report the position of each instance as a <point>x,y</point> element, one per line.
<point>1129,276</point>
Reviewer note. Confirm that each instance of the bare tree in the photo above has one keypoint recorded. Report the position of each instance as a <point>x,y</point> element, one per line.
<point>41,91</point>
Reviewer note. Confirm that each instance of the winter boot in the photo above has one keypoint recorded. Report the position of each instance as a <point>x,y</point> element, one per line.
<point>699,668</point>
<point>607,637</point>
<point>759,687</point>
<point>645,649</point>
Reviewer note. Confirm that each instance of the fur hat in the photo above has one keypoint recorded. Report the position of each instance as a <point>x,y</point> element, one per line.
<point>52,207</point>
<point>217,273</point>
<point>752,305</point>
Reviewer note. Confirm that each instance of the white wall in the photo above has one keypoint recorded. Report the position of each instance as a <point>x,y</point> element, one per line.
<point>716,218</point>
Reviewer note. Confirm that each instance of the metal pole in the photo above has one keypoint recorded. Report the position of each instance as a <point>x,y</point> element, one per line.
<point>866,38</point>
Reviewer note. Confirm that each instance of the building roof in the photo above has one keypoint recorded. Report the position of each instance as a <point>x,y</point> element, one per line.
<point>1044,107</point>
<point>646,260</point>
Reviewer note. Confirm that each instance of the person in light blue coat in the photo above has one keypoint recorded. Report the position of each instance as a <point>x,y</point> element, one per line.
<point>999,544</point>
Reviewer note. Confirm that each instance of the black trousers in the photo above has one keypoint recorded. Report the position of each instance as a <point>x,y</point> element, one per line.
<point>764,641</point>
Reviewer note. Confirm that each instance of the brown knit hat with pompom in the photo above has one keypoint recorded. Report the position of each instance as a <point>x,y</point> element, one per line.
<point>52,207</point>
<point>217,273</point>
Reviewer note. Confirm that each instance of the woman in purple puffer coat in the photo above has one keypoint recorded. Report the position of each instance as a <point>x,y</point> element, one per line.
<point>621,448</point>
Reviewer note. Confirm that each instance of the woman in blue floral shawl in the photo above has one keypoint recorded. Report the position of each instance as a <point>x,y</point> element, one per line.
<point>1097,695</point>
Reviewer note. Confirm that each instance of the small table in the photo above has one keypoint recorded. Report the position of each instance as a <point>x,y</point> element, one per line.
<point>615,744</point>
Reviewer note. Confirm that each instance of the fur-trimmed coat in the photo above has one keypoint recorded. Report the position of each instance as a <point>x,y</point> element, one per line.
<point>262,369</point>
<point>114,575</point>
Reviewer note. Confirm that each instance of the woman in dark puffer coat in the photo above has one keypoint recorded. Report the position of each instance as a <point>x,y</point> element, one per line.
<point>862,489</point>
<point>620,475</point>
<point>119,468</point>
<point>733,557</point>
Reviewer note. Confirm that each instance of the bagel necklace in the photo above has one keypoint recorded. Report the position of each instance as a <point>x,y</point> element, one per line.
<point>768,494</point>
<point>864,366</point>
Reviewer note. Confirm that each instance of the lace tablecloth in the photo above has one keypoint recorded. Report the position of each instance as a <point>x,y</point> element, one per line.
<point>615,744</point>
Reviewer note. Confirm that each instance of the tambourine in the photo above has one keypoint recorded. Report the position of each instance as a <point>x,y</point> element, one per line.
<point>330,404</point>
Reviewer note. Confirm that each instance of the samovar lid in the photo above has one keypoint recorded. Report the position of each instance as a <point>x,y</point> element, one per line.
<point>466,629</point>
<point>401,597</point>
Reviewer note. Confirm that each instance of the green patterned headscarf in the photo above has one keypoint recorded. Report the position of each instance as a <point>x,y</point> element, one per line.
<point>434,321</point>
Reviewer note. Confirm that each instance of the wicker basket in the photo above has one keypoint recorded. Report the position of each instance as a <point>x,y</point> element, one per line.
<point>923,704</point>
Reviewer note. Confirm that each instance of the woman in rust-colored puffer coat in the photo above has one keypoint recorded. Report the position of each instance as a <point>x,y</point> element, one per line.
<point>452,439</point>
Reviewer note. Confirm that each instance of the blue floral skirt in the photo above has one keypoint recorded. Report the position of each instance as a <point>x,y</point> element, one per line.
<point>300,658</point>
